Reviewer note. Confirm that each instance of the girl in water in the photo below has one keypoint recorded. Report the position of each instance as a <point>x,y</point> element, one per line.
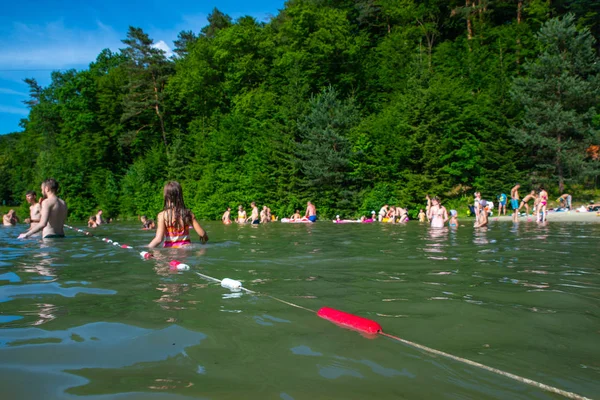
<point>453,219</point>
<point>173,222</point>
<point>437,214</point>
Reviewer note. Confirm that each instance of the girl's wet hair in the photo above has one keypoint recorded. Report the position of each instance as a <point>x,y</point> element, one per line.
<point>174,206</point>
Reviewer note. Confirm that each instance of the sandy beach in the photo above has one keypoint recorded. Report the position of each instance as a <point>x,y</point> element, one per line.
<point>569,216</point>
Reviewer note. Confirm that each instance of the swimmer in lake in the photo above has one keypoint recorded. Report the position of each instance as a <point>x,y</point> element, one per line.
<point>147,223</point>
<point>453,223</point>
<point>226,218</point>
<point>10,218</point>
<point>35,208</point>
<point>438,215</point>
<point>254,216</point>
<point>173,222</point>
<point>296,216</point>
<point>242,216</point>
<point>92,222</point>
<point>53,214</point>
<point>264,215</point>
<point>311,212</point>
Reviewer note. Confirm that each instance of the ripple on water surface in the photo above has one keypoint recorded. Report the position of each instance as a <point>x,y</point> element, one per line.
<point>84,318</point>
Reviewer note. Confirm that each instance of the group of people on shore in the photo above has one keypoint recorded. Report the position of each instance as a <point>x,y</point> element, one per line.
<point>540,203</point>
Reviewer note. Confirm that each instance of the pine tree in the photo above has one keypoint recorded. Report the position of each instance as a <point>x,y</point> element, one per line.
<point>149,70</point>
<point>559,95</point>
<point>324,152</point>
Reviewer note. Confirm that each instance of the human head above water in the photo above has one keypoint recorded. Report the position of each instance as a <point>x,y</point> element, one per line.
<point>173,195</point>
<point>50,185</point>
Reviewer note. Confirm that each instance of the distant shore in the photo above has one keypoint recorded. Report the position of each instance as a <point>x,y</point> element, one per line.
<point>569,216</point>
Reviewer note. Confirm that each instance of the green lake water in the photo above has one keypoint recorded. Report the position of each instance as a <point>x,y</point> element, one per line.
<point>81,319</point>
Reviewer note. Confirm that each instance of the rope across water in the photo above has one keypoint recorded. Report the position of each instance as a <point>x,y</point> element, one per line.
<point>527,381</point>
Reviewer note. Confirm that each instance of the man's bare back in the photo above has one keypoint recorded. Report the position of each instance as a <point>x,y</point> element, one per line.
<point>53,215</point>
<point>54,211</point>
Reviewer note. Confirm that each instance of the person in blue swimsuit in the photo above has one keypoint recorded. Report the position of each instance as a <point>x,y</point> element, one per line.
<point>311,212</point>
<point>502,204</point>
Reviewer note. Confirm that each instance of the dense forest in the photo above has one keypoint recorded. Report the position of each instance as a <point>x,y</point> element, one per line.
<point>347,103</point>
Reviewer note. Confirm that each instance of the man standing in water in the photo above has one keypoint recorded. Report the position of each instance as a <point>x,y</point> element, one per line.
<point>53,214</point>
<point>514,201</point>
<point>254,218</point>
<point>311,212</point>
<point>35,209</point>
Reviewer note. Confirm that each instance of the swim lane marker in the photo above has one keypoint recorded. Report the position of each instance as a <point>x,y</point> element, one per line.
<point>353,322</point>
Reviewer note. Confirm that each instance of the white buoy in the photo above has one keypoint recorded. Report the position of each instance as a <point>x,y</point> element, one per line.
<point>231,284</point>
<point>175,265</point>
<point>146,255</point>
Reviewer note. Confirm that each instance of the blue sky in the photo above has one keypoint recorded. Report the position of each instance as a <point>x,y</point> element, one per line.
<point>38,36</point>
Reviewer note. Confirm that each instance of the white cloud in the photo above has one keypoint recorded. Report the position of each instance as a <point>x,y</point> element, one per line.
<point>164,47</point>
<point>54,46</point>
<point>10,91</point>
<point>14,110</point>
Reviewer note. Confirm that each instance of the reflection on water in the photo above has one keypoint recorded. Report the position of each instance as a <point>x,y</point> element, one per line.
<point>82,318</point>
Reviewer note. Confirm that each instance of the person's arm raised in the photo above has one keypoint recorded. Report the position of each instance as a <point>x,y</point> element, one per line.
<point>160,231</point>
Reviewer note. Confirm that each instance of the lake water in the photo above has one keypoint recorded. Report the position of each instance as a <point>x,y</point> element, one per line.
<point>83,319</point>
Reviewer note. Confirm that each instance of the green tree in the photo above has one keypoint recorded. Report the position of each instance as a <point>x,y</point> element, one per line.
<point>559,95</point>
<point>149,70</point>
<point>324,151</point>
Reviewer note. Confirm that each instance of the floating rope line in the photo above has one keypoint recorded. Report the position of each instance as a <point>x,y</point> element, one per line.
<point>346,323</point>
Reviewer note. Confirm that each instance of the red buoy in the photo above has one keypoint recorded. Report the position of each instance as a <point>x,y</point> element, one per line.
<point>350,321</point>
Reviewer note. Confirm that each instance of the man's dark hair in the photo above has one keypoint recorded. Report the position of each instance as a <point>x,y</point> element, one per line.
<point>51,185</point>
<point>31,193</point>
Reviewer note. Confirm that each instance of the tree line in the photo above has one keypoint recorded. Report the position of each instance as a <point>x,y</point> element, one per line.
<point>349,104</point>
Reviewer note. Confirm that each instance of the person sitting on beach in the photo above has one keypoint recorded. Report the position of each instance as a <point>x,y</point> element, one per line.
<point>311,212</point>
<point>92,222</point>
<point>264,218</point>
<point>296,216</point>
<point>438,215</point>
<point>254,216</point>
<point>422,216</point>
<point>566,198</point>
<point>226,218</point>
<point>525,202</point>
<point>35,208</point>
<point>173,222</point>
<point>147,223</point>
<point>53,215</point>
<point>453,219</point>
<point>241,219</point>
<point>10,219</point>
